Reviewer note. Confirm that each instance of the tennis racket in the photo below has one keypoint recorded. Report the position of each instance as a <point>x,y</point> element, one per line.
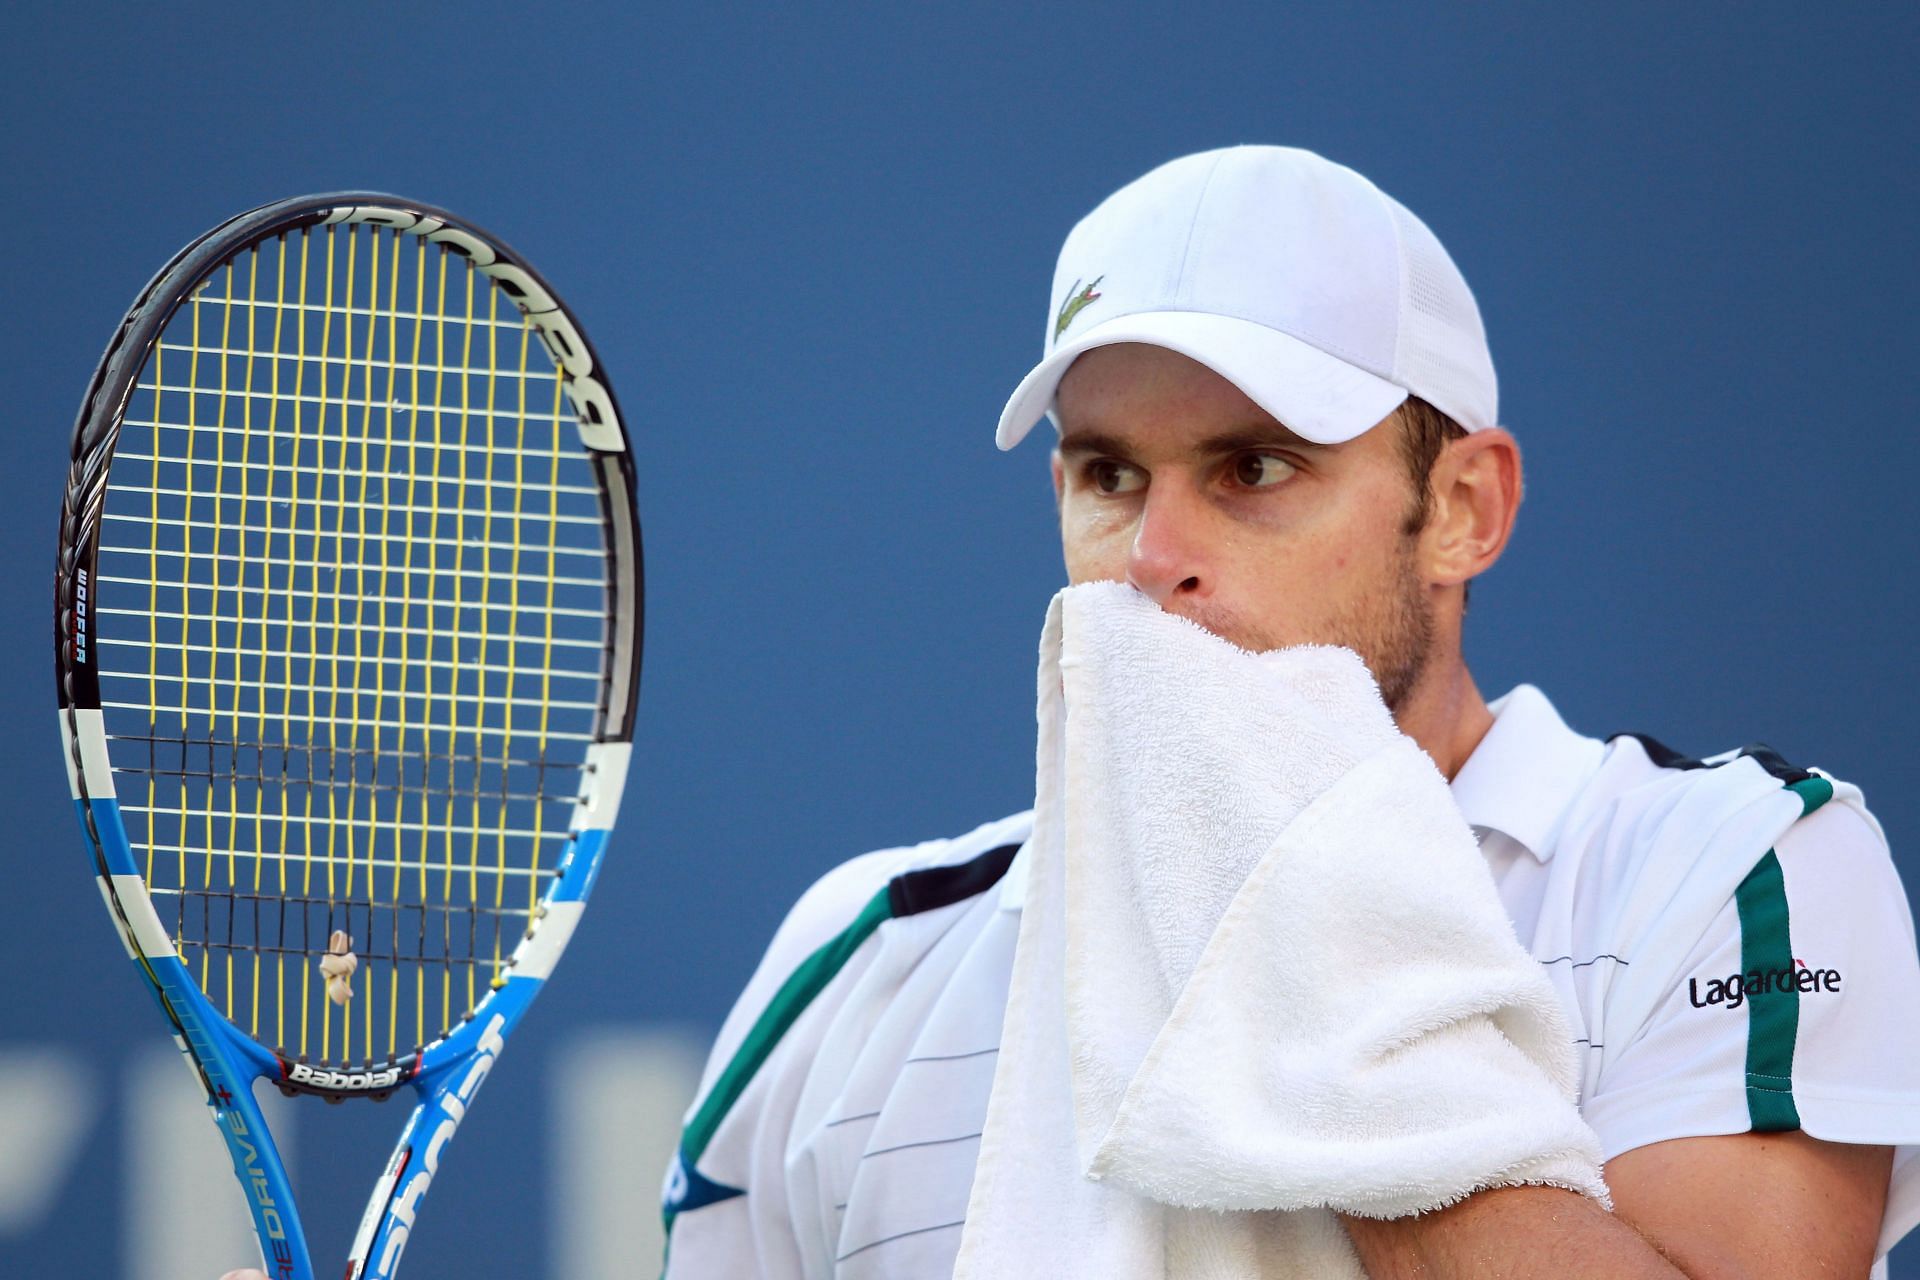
<point>347,630</point>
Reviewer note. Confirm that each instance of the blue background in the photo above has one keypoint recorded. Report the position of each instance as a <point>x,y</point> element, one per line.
<point>815,247</point>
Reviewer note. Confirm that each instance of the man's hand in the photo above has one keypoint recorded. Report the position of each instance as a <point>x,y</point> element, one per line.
<point>245,1273</point>
<point>1741,1207</point>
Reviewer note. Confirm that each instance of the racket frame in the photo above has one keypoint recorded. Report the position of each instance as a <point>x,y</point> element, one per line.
<point>447,1073</point>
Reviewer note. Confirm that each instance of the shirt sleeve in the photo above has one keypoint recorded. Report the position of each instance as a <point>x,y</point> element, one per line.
<point>1799,1009</point>
<point>727,1203</point>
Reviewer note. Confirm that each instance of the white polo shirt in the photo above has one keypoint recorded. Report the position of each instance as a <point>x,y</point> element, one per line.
<point>837,1125</point>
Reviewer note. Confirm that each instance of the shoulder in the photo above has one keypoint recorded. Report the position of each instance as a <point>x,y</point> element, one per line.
<point>836,915</point>
<point>1671,860</point>
<point>734,1139</point>
<point>1639,762</point>
<point>1647,803</point>
<point>1765,967</point>
<point>914,878</point>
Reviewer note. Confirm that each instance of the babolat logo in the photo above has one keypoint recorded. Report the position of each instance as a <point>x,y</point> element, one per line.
<point>1733,990</point>
<point>592,403</point>
<point>344,1081</point>
<point>417,1178</point>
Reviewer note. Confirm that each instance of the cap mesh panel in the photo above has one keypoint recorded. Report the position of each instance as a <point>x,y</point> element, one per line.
<point>1442,354</point>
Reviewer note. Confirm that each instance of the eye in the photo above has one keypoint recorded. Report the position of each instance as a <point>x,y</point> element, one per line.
<point>1109,476</point>
<point>1261,470</point>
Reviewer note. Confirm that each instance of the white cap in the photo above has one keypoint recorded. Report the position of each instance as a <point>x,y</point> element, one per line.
<point>1294,278</point>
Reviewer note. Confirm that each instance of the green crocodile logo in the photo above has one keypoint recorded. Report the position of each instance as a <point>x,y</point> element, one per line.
<point>1077,301</point>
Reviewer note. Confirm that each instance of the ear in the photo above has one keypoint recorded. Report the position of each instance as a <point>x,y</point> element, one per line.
<point>1059,479</point>
<point>1476,496</point>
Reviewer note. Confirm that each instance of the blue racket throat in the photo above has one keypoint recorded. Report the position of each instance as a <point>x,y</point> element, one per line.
<point>447,1092</point>
<point>451,1074</point>
<point>347,636</point>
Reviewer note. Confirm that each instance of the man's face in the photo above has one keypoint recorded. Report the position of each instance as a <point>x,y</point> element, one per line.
<point>1171,479</point>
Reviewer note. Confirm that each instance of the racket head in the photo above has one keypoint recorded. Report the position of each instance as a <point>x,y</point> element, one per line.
<point>406,587</point>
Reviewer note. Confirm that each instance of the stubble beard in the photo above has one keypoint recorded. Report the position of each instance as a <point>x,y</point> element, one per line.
<point>1396,640</point>
<point>1391,630</point>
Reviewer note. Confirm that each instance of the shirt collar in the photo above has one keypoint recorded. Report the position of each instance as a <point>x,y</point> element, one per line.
<point>1527,771</point>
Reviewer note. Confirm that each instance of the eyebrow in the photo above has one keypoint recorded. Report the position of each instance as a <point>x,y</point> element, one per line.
<point>1237,440</point>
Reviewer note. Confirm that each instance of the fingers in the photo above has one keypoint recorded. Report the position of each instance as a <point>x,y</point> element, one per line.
<point>245,1273</point>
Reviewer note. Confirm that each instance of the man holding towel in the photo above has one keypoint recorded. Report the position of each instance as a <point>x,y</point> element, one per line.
<point>1310,960</point>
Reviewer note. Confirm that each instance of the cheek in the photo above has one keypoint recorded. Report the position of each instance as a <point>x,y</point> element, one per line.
<point>1360,543</point>
<point>1309,585</point>
<point>1095,542</point>
<point>1094,560</point>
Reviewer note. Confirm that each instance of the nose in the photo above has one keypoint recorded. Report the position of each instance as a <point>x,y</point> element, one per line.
<point>1168,557</point>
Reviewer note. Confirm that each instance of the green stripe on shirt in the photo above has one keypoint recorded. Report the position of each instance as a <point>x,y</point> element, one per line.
<point>787,1004</point>
<point>1813,791</point>
<point>1773,1012</point>
<point>1766,950</point>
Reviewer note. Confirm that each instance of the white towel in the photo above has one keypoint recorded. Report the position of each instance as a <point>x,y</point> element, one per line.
<point>1262,974</point>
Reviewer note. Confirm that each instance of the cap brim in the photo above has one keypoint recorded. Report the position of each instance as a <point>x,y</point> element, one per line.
<point>1316,396</point>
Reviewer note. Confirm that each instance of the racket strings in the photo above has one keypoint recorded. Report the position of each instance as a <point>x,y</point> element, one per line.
<point>299,926</point>
<point>350,600</point>
<point>260,769</point>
